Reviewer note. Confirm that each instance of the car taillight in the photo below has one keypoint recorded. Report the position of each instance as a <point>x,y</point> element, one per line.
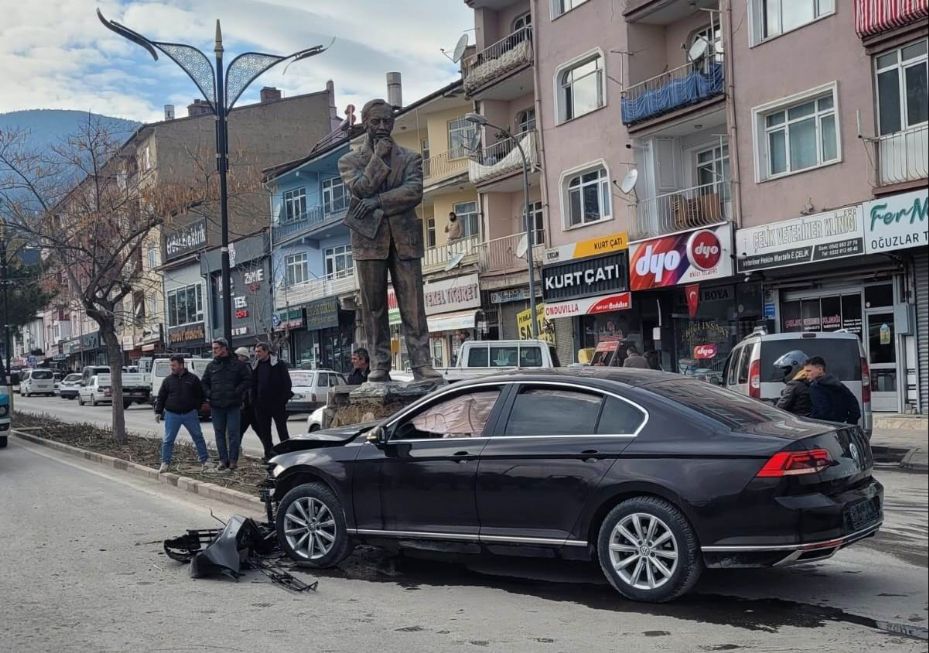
<point>314,398</point>
<point>754,379</point>
<point>107,392</point>
<point>865,381</point>
<point>795,463</point>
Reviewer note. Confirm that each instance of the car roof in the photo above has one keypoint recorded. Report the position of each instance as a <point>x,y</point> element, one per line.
<point>803,335</point>
<point>628,376</point>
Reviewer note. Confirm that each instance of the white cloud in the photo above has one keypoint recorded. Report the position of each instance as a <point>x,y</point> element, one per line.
<point>56,54</point>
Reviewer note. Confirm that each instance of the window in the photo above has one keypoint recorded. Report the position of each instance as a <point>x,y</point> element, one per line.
<point>430,232</point>
<point>588,195</point>
<point>525,121</point>
<point>294,205</point>
<point>560,7</point>
<point>339,261</point>
<point>536,224</point>
<point>462,416</point>
<point>296,266</point>
<point>522,21</point>
<point>771,18</point>
<point>185,305</point>
<point>713,170</point>
<point>460,136</point>
<point>477,357</point>
<point>335,198</point>
<point>901,82</point>
<point>734,410</point>
<point>323,381</point>
<point>580,89</point>
<point>504,356</point>
<point>467,216</point>
<point>619,417</point>
<point>713,36</point>
<point>800,136</point>
<point>551,411</point>
<point>152,257</point>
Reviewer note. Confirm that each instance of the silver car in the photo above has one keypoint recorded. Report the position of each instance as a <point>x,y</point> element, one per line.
<point>311,389</point>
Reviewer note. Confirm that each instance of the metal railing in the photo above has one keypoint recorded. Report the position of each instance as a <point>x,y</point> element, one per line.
<point>306,222</point>
<point>679,87</point>
<point>312,289</point>
<point>500,254</point>
<point>438,257</point>
<point>507,54</point>
<point>683,209</point>
<point>503,158</point>
<point>903,156</point>
<point>447,164</point>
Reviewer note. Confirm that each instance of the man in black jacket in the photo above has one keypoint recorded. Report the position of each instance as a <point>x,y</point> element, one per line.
<point>179,398</point>
<point>361,366</point>
<point>795,397</point>
<point>225,382</point>
<point>270,393</point>
<point>832,400</point>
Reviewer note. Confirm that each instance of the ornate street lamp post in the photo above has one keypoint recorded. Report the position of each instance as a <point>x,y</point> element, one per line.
<point>221,87</point>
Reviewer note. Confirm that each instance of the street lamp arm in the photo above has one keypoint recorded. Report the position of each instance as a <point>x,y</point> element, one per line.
<point>248,66</point>
<point>129,34</point>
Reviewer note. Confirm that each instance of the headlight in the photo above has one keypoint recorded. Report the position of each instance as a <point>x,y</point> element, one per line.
<point>278,470</point>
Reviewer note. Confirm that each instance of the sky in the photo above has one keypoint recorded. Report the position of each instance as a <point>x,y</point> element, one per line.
<point>55,54</point>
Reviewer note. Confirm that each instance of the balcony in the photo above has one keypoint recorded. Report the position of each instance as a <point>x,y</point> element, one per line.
<point>502,158</point>
<point>308,291</point>
<point>680,87</point>
<point>498,61</point>
<point>438,258</point>
<point>903,156</point>
<point>315,222</point>
<point>500,255</point>
<point>680,210</point>
<point>444,166</point>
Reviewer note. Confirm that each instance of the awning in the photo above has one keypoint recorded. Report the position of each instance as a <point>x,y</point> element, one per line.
<point>452,321</point>
<point>149,347</point>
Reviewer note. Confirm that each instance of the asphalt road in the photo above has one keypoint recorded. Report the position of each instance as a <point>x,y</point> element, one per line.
<point>82,568</point>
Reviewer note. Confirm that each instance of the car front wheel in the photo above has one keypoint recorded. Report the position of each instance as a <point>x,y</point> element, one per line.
<point>648,551</point>
<point>311,526</point>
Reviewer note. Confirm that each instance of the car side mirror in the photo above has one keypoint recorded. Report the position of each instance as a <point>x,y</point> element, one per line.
<point>377,436</point>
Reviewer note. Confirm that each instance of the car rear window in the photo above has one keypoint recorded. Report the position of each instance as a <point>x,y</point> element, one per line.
<point>73,378</point>
<point>734,410</point>
<point>842,356</point>
<point>301,378</point>
<point>41,374</point>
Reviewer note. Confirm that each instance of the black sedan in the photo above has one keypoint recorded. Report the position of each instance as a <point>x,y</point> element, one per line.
<point>654,475</point>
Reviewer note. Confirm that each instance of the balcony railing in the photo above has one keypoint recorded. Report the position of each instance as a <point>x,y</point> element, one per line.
<point>305,223</point>
<point>437,258</point>
<point>447,164</point>
<point>307,291</point>
<point>903,156</point>
<point>503,158</point>
<point>499,59</point>
<point>681,210</point>
<point>501,254</point>
<point>680,87</point>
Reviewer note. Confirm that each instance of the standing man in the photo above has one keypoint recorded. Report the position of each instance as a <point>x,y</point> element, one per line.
<point>361,363</point>
<point>635,359</point>
<point>453,228</point>
<point>386,185</point>
<point>225,382</point>
<point>179,398</point>
<point>248,411</point>
<point>832,400</point>
<point>270,394</point>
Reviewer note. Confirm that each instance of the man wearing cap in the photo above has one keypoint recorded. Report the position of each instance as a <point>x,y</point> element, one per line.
<point>225,382</point>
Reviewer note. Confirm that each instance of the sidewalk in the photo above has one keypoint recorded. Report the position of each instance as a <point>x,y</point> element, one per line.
<point>903,439</point>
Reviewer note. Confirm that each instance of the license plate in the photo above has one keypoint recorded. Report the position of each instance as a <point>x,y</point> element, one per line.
<point>861,515</point>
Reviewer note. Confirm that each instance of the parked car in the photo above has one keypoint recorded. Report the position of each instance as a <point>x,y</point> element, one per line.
<point>482,357</point>
<point>37,382</point>
<point>750,370</point>
<point>70,386</point>
<point>589,464</point>
<point>136,388</point>
<point>315,420</point>
<point>96,391</point>
<point>311,389</point>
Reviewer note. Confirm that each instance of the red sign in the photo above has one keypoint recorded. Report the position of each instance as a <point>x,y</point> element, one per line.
<point>692,292</point>
<point>682,258</point>
<point>704,250</point>
<point>241,314</point>
<point>619,302</point>
<point>608,345</point>
<point>704,352</point>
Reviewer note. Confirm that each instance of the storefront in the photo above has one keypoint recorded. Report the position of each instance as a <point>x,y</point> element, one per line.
<point>325,341</point>
<point>189,339</point>
<point>453,313</point>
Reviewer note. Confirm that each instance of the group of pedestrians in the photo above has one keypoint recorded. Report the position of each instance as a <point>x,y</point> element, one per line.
<point>235,392</point>
<point>810,391</point>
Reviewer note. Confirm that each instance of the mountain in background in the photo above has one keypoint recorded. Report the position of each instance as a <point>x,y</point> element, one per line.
<point>48,127</point>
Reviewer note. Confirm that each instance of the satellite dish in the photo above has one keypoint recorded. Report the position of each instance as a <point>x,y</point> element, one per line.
<point>698,49</point>
<point>629,181</point>
<point>454,262</point>
<point>460,48</point>
<point>522,247</point>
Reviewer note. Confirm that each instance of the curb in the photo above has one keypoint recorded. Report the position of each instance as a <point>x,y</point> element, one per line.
<point>915,461</point>
<point>888,454</point>
<point>200,488</point>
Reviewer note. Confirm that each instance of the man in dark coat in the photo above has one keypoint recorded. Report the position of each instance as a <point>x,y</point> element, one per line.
<point>179,399</point>
<point>271,390</point>
<point>386,184</point>
<point>361,363</point>
<point>832,400</point>
<point>635,359</point>
<point>225,382</point>
<point>795,397</point>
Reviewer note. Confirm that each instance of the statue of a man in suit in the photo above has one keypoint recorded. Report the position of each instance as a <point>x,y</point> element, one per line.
<point>386,184</point>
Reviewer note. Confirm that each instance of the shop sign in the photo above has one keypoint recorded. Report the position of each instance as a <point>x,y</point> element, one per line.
<point>706,352</point>
<point>897,222</point>
<point>185,239</point>
<point>187,333</point>
<point>509,295</point>
<point>455,294</point>
<point>593,247</point>
<point>821,237</point>
<point>544,328</point>
<point>322,314</point>
<point>589,306</point>
<point>683,258</point>
<point>91,340</point>
<point>288,319</point>
<point>585,278</point>
<point>393,308</point>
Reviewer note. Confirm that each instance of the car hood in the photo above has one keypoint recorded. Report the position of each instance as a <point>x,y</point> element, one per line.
<point>328,438</point>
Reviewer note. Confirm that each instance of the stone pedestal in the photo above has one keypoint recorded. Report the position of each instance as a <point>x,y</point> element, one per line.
<point>356,404</point>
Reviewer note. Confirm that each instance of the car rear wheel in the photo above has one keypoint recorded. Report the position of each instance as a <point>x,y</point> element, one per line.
<point>314,427</point>
<point>311,526</point>
<point>80,400</point>
<point>648,551</point>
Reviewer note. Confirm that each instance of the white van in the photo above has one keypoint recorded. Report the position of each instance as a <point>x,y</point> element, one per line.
<point>37,382</point>
<point>161,368</point>
<point>749,370</point>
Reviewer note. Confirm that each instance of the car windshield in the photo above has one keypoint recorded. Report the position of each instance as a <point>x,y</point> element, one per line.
<point>734,410</point>
<point>41,374</point>
<point>302,378</point>
<point>103,380</point>
<point>843,359</point>
<point>72,378</point>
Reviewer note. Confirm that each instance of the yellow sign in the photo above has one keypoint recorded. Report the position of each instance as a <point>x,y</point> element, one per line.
<point>524,325</point>
<point>616,242</point>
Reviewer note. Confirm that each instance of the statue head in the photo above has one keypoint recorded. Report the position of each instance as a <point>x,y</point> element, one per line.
<point>377,117</point>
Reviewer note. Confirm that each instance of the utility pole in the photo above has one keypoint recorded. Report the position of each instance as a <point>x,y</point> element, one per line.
<point>6,311</point>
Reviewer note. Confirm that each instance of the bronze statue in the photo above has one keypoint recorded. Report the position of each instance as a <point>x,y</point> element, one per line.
<point>386,184</point>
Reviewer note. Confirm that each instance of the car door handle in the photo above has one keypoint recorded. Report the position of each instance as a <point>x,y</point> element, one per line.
<point>590,455</point>
<point>461,456</point>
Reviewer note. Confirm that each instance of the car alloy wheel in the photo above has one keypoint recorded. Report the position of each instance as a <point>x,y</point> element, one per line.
<point>643,551</point>
<point>310,528</point>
